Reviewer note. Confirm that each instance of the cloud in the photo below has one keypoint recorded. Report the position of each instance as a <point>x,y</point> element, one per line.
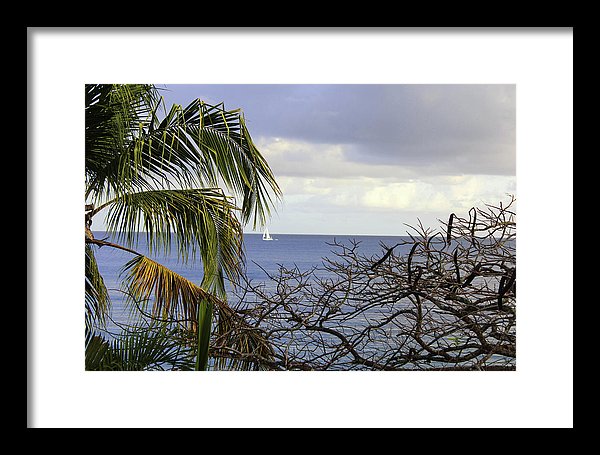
<point>369,158</point>
<point>435,195</point>
<point>291,157</point>
<point>448,194</point>
<point>380,206</point>
<point>406,195</point>
<point>448,129</point>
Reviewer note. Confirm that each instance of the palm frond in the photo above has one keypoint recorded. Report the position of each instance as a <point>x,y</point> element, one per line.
<point>235,345</point>
<point>113,115</point>
<point>153,347</point>
<point>171,295</point>
<point>97,298</point>
<point>198,219</point>
<point>131,149</point>
<point>98,353</point>
<point>226,151</point>
<point>202,145</point>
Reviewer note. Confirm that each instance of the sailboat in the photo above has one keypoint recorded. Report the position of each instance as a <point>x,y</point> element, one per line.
<point>266,235</point>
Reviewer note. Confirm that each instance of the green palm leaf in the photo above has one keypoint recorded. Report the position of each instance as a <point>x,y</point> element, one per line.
<point>235,344</point>
<point>161,173</point>
<point>113,114</point>
<point>196,146</point>
<point>97,299</point>
<point>98,353</point>
<point>151,347</point>
<point>199,219</point>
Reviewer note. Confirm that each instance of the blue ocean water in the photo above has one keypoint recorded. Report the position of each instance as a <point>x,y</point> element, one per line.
<point>262,257</point>
<point>303,252</point>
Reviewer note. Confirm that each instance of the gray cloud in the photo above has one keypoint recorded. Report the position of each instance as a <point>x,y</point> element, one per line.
<point>365,159</point>
<point>446,129</point>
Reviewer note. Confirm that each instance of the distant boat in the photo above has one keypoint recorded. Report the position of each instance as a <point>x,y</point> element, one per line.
<point>266,235</point>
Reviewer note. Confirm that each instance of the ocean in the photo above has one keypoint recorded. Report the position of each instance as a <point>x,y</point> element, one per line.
<point>262,257</point>
<point>302,252</point>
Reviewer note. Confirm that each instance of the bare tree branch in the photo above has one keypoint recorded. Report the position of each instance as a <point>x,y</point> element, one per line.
<point>420,306</point>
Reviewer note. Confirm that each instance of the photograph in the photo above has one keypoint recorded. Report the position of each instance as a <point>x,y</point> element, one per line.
<point>300,227</point>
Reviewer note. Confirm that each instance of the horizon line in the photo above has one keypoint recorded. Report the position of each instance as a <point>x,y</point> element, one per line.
<point>297,233</point>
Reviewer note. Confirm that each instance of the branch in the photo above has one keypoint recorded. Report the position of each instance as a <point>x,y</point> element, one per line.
<point>113,245</point>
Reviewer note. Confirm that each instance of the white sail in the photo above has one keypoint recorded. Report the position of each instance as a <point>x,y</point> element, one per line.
<point>266,235</point>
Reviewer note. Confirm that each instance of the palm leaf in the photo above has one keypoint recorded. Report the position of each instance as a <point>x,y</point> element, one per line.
<point>153,347</point>
<point>226,150</point>
<point>172,295</point>
<point>97,298</point>
<point>235,345</point>
<point>200,145</point>
<point>98,354</point>
<point>113,116</point>
<point>199,219</point>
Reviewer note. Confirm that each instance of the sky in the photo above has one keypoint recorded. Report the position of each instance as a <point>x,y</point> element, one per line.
<point>371,159</point>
